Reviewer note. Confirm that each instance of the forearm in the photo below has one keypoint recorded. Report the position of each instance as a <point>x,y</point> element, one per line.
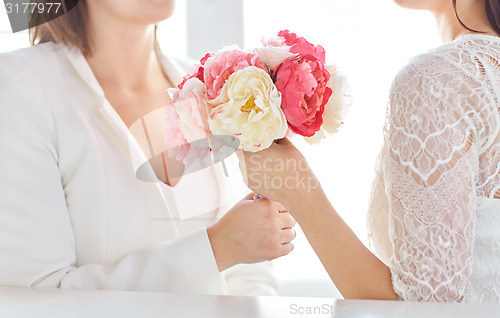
<point>356,271</point>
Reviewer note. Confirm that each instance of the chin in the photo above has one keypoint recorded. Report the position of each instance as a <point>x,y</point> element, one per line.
<point>408,4</point>
<point>133,11</point>
<point>411,4</point>
<point>157,10</point>
<point>418,4</point>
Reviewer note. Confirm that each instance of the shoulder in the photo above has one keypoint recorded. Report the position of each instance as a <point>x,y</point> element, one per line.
<point>447,78</point>
<point>31,56</point>
<point>421,89</point>
<point>28,77</point>
<point>424,96</point>
<point>446,66</point>
<point>439,81</point>
<point>443,88</point>
<point>435,68</point>
<point>30,66</point>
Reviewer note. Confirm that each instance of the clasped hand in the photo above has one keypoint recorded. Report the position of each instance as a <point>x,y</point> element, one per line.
<point>252,231</point>
<point>280,172</point>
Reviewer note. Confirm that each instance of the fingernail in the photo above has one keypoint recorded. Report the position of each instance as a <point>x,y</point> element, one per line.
<point>257,197</point>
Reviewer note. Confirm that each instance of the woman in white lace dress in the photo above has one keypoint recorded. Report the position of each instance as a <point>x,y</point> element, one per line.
<point>435,214</point>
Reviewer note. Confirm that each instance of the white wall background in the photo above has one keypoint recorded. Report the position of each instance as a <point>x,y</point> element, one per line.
<point>369,39</point>
<point>213,24</point>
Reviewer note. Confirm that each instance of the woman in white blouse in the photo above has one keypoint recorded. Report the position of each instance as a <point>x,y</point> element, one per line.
<point>435,213</point>
<point>73,214</point>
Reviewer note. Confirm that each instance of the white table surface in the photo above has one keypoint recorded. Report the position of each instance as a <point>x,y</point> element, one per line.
<point>28,302</point>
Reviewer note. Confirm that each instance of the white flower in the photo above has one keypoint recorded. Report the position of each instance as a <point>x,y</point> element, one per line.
<point>274,52</point>
<point>336,108</point>
<point>250,110</point>
<point>340,101</point>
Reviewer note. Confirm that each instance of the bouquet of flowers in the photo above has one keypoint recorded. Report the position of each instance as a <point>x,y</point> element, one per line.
<point>256,97</point>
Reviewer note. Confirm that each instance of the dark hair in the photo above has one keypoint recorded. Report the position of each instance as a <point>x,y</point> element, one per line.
<point>492,8</point>
<point>70,29</point>
<point>493,13</point>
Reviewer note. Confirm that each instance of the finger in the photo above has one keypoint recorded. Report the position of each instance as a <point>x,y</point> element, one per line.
<point>239,154</point>
<point>272,206</point>
<point>287,235</point>
<point>286,249</point>
<point>279,207</point>
<point>266,204</point>
<point>286,221</point>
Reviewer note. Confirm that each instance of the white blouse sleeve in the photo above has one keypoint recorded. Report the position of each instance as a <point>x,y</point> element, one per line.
<point>251,280</point>
<point>430,161</point>
<point>246,279</point>
<point>37,245</point>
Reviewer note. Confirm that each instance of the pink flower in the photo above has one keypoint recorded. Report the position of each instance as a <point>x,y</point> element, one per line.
<point>178,146</point>
<point>301,46</point>
<point>302,82</point>
<point>197,71</point>
<point>191,107</point>
<point>222,65</point>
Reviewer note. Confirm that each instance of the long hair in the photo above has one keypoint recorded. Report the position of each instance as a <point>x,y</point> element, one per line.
<point>70,29</point>
<point>492,8</point>
<point>493,13</point>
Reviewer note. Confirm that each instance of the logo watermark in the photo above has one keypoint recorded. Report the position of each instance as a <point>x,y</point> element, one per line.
<point>282,174</point>
<point>25,14</point>
<point>338,309</point>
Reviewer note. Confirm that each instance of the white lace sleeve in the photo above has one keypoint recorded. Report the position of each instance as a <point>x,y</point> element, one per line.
<point>430,165</point>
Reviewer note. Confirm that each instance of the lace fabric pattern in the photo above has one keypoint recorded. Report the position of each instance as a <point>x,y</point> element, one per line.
<point>439,166</point>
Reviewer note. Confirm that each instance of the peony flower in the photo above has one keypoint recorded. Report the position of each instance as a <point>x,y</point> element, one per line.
<point>275,51</point>
<point>301,46</point>
<point>177,145</point>
<point>302,84</point>
<point>340,101</point>
<point>337,106</point>
<point>250,110</point>
<point>196,154</point>
<point>191,107</point>
<point>222,65</point>
<point>197,71</point>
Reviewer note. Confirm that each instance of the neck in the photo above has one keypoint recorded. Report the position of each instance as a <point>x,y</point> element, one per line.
<point>116,45</point>
<point>472,14</point>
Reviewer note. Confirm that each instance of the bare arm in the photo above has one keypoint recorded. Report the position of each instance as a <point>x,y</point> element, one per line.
<point>356,271</point>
